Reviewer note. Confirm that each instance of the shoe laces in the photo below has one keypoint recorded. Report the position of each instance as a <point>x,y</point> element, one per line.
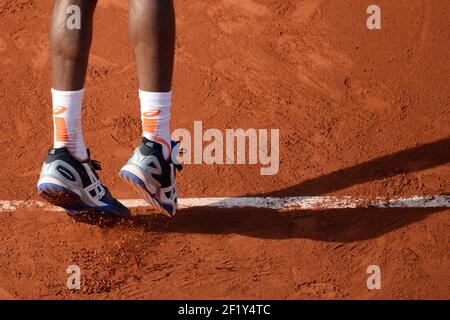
<point>178,152</point>
<point>178,166</point>
<point>96,165</point>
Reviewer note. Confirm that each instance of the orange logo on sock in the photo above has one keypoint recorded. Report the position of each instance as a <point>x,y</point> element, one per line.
<point>61,133</point>
<point>59,110</point>
<point>150,114</point>
<point>150,125</point>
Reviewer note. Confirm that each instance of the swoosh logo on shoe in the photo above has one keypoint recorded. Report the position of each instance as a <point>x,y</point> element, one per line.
<point>59,110</point>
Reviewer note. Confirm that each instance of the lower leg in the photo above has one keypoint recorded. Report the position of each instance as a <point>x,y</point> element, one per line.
<point>71,36</point>
<point>70,45</point>
<point>152,33</point>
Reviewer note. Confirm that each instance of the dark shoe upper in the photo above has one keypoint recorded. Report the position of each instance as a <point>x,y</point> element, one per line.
<point>82,179</point>
<point>64,155</point>
<point>151,148</point>
<point>154,174</point>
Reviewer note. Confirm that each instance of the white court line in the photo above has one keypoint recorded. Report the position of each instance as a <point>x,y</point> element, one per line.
<point>276,203</point>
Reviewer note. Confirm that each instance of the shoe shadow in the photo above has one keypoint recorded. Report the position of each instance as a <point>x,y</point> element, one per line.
<point>100,220</point>
<point>406,161</point>
<point>339,225</point>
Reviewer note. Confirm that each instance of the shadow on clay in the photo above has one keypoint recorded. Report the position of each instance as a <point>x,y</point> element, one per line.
<point>337,225</point>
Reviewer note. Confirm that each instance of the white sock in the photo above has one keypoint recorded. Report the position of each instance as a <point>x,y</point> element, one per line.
<point>155,116</point>
<point>67,131</point>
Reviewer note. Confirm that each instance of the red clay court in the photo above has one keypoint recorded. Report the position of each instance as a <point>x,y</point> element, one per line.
<point>361,113</point>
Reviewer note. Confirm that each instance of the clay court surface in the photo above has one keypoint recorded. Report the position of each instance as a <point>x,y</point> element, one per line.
<point>361,113</point>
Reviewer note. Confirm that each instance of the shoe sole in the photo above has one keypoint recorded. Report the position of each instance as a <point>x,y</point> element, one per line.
<point>139,186</point>
<point>62,197</point>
